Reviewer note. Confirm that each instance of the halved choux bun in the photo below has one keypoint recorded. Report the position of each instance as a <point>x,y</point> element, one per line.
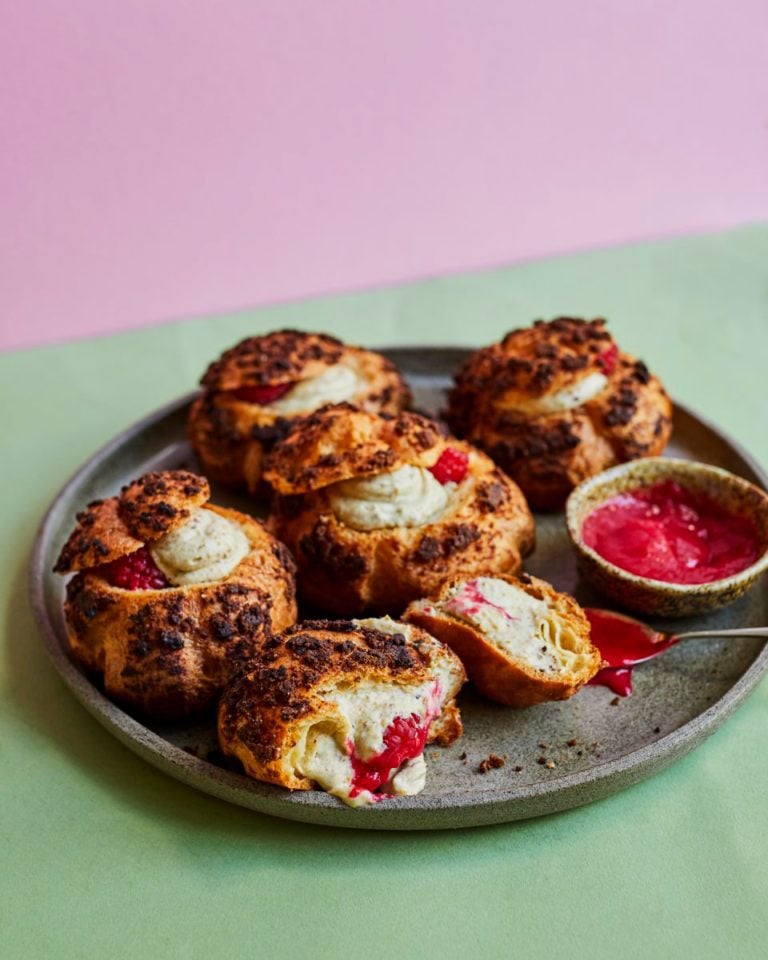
<point>520,640</point>
<point>171,594</point>
<point>556,403</point>
<point>257,389</point>
<point>343,705</point>
<point>377,511</point>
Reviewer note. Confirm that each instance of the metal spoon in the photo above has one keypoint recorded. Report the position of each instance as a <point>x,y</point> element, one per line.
<point>624,642</point>
<point>738,632</point>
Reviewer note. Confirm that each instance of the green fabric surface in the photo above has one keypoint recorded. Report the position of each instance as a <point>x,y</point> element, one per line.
<point>105,857</point>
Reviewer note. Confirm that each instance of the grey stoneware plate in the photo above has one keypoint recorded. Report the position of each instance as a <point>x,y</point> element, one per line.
<point>598,744</point>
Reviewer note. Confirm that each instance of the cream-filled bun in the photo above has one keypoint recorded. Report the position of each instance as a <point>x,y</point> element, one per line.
<point>254,391</point>
<point>521,641</point>
<point>171,594</point>
<point>379,510</point>
<point>556,403</point>
<point>343,706</point>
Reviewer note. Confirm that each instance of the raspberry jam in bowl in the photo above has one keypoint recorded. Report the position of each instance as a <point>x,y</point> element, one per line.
<point>669,537</point>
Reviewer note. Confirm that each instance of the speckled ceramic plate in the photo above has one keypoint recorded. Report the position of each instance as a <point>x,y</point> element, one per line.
<point>598,745</point>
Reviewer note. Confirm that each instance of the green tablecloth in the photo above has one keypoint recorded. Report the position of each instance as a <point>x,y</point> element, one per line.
<point>105,857</point>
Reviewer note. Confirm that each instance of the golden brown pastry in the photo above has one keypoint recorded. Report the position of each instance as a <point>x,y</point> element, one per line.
<point>171,593</point>
<point>255,391</point>
<point>556,403</point>
<point>378,511</point>
<point>344,705</point>
<point>520,640</point>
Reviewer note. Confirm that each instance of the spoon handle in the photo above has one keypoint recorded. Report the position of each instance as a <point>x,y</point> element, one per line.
<point>743,632</point>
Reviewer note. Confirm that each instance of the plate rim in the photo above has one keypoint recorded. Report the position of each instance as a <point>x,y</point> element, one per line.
<point>487,806</point>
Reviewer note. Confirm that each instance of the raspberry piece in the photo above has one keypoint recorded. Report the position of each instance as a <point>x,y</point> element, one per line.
<point>451,467</point>
<point>262,395</point>
<point>404,739</point>
<point>137,571</point>
<point>607,359</point>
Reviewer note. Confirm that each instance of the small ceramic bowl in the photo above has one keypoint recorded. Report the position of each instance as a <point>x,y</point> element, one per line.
<point>644,595</point>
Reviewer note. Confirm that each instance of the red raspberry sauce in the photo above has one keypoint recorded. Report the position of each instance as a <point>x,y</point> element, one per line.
<point>137,571</point>
<point>451,467</point>
<point>404,739</point>
<point>470,600</point>
<point>623,643</point>
<point>666,532</point>
<point>263,395</point>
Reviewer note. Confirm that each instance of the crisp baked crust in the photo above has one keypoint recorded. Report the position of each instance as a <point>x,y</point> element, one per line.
<point>100,536</point>
<point>168,652</point>
<point>338,442</point>
<point>343,570</point>
<point>145,510</point>
<point>231,436</point>
<point>549,454</point>
<point>278,357</point>
<point>264,712</point>
<point>160,502</point>
<point>496,673</point>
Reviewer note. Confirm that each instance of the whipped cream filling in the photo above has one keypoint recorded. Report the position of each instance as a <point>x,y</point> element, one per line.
<point>568,398</point>
<point>323,759</point>
<point>368,709</point>
<point>520,625</point>
<point>337,384</point>
<point>407,497</point>
<point>361,716</point>
<point>410,779</point>
<point>207,547</point>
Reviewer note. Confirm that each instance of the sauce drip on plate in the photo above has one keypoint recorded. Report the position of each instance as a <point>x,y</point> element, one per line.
<point>668,533</point>
<point>623,643</point>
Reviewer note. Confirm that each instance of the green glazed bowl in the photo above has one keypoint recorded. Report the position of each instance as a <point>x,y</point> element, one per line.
<point>656,597</point>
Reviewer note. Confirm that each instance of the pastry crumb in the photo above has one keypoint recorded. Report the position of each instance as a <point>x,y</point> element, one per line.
<point>615,702</point>
<point>492,762</point>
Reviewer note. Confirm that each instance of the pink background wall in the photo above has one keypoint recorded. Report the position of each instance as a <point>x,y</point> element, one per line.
<point>170,157</point>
